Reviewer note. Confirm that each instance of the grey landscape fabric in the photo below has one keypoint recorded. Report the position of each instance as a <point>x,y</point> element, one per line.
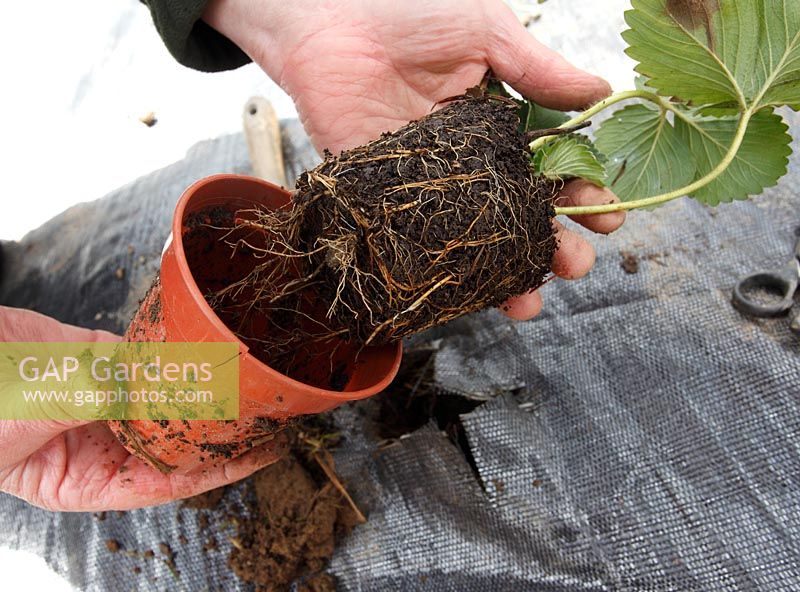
<point>639,435</point>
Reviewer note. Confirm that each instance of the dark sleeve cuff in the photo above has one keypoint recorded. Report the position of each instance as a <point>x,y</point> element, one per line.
<point>191,41</point>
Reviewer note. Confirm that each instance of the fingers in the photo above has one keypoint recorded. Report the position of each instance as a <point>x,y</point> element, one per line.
<point>18,324</point>
<point>61,469</point>
<point>139,485</point>
<point>584,193</point>
<point>100,336</point>
<point>536,71</point>
<point>573,259</point>
<point>19,439</point>
<point>86,469</point>
<point>523,307</point>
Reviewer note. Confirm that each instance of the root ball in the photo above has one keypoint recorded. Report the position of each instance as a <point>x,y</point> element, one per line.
<point>436,220</point>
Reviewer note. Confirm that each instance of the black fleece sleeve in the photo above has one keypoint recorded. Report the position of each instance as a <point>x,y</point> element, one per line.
<point>191,41</point>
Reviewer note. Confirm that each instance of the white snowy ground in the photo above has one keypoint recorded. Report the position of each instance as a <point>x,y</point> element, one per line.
<point>77,76</point>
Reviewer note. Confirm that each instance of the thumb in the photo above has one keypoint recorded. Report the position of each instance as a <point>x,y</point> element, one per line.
<point>537,72</point>
<point>18,324</point>
<point>21,438</point>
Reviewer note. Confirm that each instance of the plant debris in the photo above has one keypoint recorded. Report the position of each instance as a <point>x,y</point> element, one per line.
<point>149,119</point>
<point>630,262</point>
<point>205,501</point>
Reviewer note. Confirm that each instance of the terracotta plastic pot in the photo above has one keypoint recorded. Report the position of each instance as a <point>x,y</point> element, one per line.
<point>175,310</point>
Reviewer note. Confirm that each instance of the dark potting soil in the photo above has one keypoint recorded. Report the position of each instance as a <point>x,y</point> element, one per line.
<point>154,312</point>
<point>217,251</point>
<point>146,325</point>
<point>412,400</point>
<point>436,220</point>
<point>211,260</point>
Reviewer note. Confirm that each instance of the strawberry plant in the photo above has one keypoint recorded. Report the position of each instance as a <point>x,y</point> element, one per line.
<point>712,73</point>
<point>452,213</point>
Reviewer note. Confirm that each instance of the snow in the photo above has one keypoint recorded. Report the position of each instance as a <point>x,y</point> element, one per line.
<point>86,72</point>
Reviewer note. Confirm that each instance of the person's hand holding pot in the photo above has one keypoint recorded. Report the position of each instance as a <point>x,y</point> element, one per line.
<point>73,465</point>
<point>356,69</point>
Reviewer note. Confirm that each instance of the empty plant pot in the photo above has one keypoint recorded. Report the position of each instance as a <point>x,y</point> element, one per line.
<point>195,261</point>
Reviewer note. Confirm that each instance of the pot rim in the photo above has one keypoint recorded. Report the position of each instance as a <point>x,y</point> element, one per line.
<point>222,329</point>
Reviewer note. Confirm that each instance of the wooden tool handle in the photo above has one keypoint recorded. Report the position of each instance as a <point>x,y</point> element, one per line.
<point>263,133</point>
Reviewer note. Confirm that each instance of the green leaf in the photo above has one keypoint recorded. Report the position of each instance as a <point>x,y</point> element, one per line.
<point>719,110</point>
<point>568,157</point>
<point>643,83</point>
<point>531,115</point>
<point>495,87</point>
<point>705,52</point>
<point>645,154</point>
<point>761,160</point>
<point>536,117</point>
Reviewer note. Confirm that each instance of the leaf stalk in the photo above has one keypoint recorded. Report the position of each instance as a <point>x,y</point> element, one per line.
<point>582,118</point>
<point>723,164</point>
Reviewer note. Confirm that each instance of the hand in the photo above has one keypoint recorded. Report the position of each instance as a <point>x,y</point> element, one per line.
<point>74,465</point>
<point>357,68</point>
